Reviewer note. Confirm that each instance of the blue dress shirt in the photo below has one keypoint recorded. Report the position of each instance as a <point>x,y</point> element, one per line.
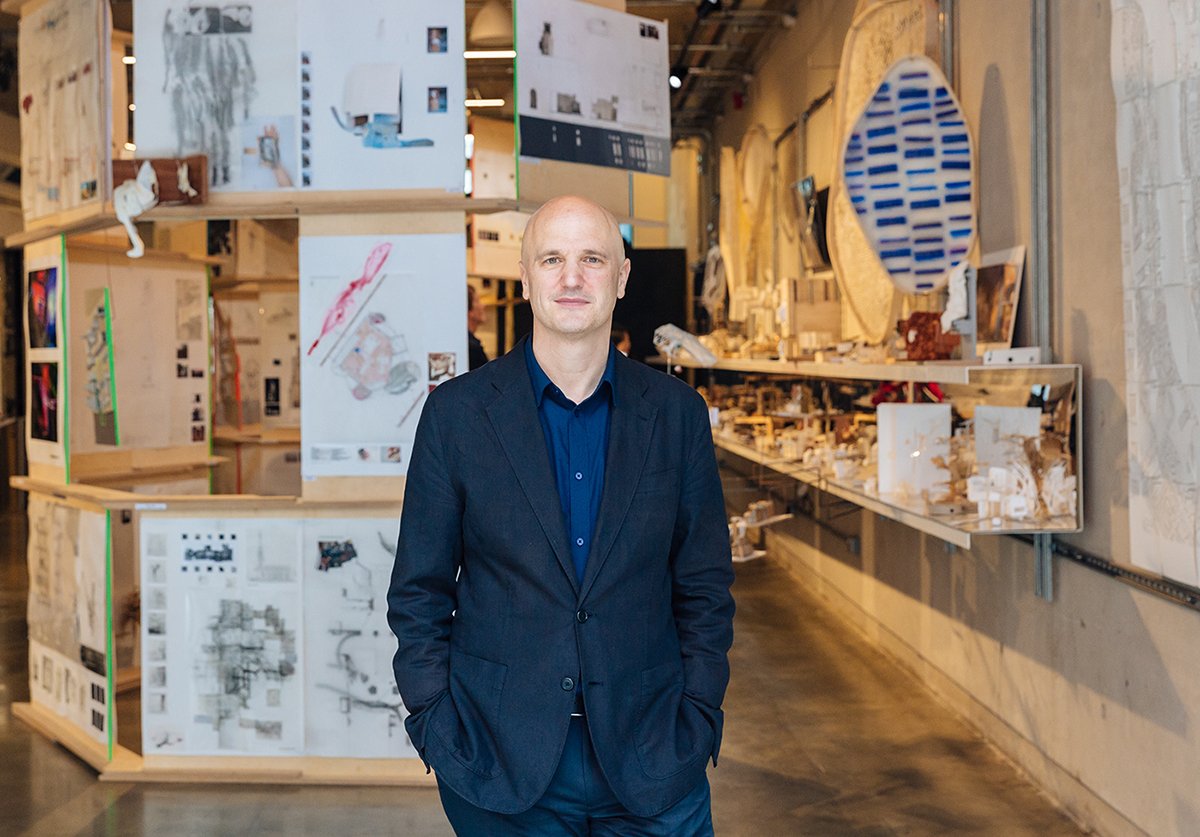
<point>577,441</point>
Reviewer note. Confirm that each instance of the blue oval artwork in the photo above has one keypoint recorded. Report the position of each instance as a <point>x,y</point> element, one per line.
<point>909,169</point>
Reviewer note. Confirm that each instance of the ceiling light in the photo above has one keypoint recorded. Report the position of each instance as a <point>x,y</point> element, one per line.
<point>128,59</point>
<point>489,53</point>
<point>707,7</point>
<point>678,74</point>
<point>484,103</point>
<point>492,27</point>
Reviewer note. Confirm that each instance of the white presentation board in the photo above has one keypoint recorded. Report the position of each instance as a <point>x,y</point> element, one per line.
<point>592,86</point>
<point>382,321</point>
<point>304,94</point>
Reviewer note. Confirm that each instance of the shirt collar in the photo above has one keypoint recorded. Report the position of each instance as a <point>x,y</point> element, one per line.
<point>541,381</point>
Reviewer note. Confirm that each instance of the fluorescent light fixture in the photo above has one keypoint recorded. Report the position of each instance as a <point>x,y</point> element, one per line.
<point>484,103</point>
<point>469,145</point>
<point>489,53</point>
<point>128,59</point>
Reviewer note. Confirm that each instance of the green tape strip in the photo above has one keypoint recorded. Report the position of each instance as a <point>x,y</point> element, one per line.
<point>110,659</point>
<point>112,366</point>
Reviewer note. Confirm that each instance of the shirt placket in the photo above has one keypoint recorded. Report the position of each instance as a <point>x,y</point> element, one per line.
<point>579,499</point>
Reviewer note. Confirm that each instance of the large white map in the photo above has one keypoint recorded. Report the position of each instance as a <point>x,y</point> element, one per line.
<point>1156,81</point>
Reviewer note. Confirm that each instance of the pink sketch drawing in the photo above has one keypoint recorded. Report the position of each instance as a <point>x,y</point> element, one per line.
<point>376,359</point>
<point>338,312</point>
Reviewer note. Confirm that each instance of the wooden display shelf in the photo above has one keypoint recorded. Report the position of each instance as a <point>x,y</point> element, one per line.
<point>254,434</point>
<point>934,371</point>
<point>127,766</point>
<point>385,500</point>
<point>955,529</point>
<point>259,205</point>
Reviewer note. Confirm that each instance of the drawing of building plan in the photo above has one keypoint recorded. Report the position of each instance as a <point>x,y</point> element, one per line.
<point>64,84</point>
<point>1156,82</point>
<point>353,706</point>
<point>68,612</point>
<point>593,85</point>
<point>368,355</point>
<point>222,635</point>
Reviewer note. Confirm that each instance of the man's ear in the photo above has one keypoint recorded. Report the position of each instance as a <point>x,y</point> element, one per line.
<point>623,279</point>
<point>524,281</point>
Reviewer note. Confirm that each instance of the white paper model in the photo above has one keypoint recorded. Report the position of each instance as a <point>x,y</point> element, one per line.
<point>64,100</point>
<point>222,637</point>
<point>378,316</point>
<point>68,614</point>
<point>353,708</point>
<point>1156,71</point>
<point>999,432</point>
<point>593,86</point>
<point>910,437</point>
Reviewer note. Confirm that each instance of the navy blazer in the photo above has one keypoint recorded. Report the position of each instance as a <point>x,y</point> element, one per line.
<point>494,629</point>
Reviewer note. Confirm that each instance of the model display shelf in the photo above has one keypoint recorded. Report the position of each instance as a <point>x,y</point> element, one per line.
<point>967,385</point>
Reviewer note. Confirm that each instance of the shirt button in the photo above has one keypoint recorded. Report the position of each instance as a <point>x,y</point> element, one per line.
<point>579,541</point>
<point>579,475</point>
<point>567,684</point>
<point>582,616</point>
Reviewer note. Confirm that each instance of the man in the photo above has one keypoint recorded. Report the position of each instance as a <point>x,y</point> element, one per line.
<point>476,314</point>
<point>561,586</point>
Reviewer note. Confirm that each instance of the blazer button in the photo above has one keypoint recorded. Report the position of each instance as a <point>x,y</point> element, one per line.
<point>582,616</point>
<point>567,684</point>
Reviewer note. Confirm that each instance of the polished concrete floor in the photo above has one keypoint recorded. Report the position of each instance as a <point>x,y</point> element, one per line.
<point>824,736</point>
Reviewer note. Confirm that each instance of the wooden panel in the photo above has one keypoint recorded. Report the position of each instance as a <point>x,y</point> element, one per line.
<point>540,180</point>
<point>384,223</point>
<point>353,489</point>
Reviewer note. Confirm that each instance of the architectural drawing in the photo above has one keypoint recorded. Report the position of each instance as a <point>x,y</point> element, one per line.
<point>67,613</point>
<point>365,364</point>
<point>98,359</point>
<point>217,70</point>
<point>64,100</point>
<point>230,636</point>
<point>1156,82</point>
<point>378,108</point>
<point>603,99</point>
<point>353,707</point>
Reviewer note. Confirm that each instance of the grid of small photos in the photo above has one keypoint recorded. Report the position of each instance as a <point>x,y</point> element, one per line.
<point>207,553</point>
<point>306,100</point>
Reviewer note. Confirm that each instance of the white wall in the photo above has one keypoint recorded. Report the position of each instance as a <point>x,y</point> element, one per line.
<point>1096,694</point>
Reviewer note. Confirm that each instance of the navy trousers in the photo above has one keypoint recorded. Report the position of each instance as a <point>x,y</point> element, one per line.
<point>580,802</point>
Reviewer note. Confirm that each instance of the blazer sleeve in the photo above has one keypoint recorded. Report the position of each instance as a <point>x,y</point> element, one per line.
<point>421,597</point>
<point>702,568</point>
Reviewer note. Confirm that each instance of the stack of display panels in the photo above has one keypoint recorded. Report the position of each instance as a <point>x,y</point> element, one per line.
<point>267,636</point>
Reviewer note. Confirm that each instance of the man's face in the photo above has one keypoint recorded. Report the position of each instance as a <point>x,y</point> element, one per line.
<point>573,269</point>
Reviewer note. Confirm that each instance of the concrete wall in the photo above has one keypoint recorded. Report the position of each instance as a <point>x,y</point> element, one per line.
<point>1096,694</point>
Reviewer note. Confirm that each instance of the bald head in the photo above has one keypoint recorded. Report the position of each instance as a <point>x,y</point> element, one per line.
<point>563,207</point>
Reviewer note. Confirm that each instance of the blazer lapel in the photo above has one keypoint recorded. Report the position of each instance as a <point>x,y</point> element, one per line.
<point>628,444</point>
<point>515,420</point>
